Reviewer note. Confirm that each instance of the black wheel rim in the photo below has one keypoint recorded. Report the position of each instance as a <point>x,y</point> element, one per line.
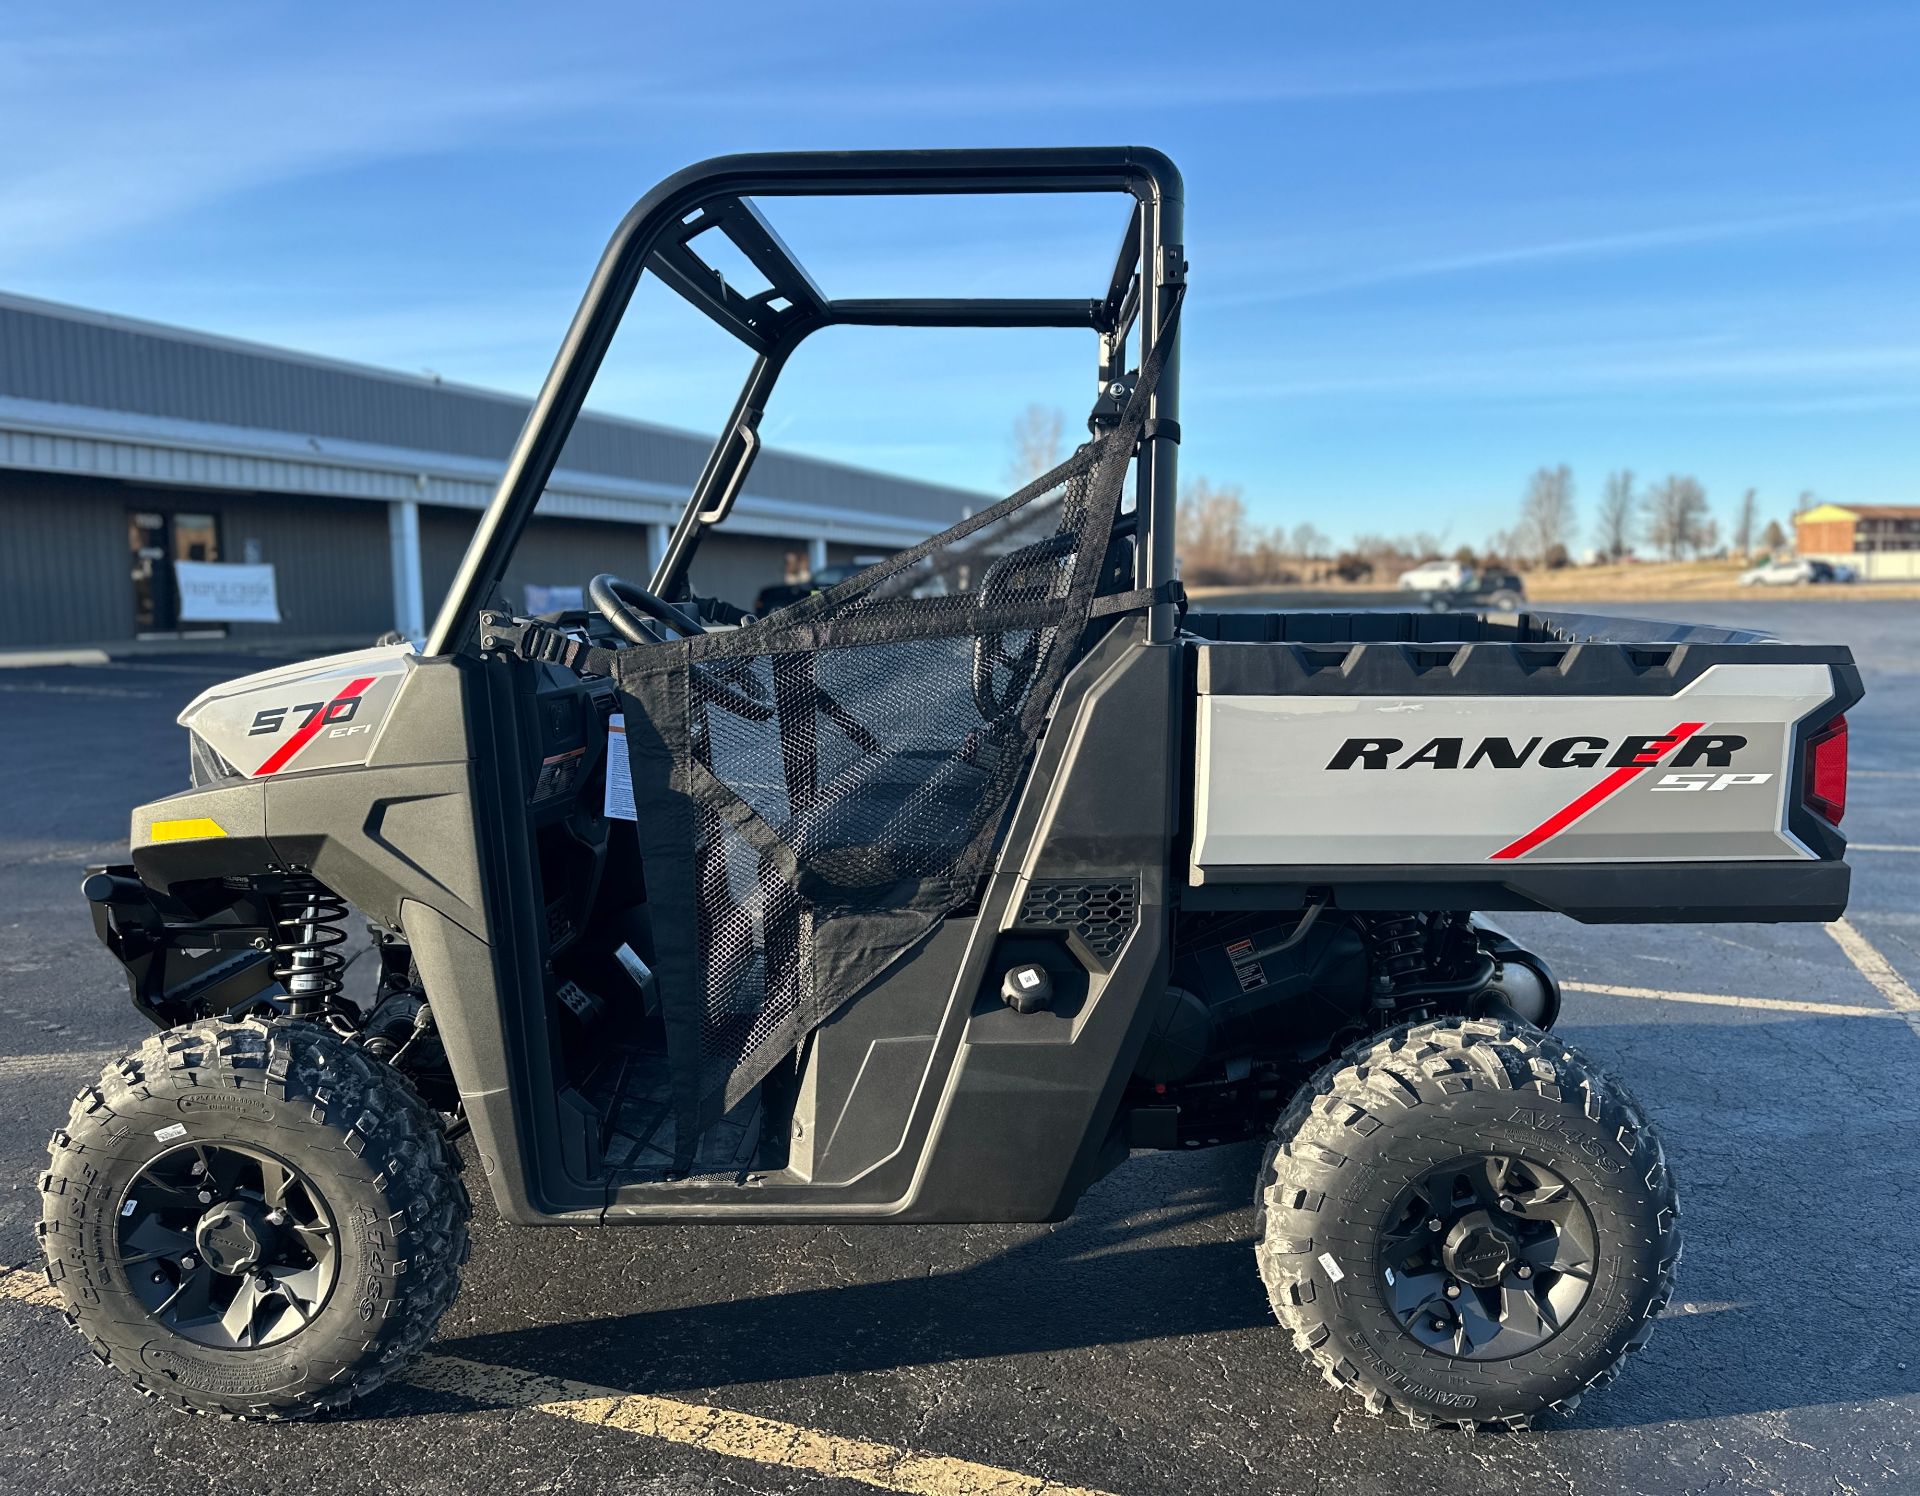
<point>226,1246</point>
<point>1488,1257</point>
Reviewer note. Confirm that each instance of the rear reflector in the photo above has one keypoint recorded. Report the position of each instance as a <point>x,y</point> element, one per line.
<point>1826,787</point>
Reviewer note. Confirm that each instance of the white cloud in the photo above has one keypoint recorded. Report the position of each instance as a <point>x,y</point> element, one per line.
<point>1062,81</point>
<point>1557,369</point>
<point>107,133</point>
<point>1650,239</point>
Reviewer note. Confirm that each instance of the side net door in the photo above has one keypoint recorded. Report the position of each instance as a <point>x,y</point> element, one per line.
<point>819,788</point>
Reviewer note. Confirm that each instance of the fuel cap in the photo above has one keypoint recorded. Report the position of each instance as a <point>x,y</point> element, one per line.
<point>1027,988</point>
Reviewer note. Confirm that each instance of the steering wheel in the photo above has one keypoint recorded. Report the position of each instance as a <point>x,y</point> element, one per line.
<point>1033,568</point>
<point>726,684</point>
<point>623,604</point>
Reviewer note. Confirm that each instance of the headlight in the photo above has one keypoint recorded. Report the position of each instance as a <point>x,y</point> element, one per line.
<point>204,766</point>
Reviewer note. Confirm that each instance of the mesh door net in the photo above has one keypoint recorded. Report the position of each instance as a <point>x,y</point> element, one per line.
<point>817,789</point>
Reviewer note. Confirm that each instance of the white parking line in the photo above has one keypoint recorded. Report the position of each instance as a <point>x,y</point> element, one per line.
<point>1879,847</point>
<point>1878,970</point>
<point>1722,1000</point>
<point>721,1431</point>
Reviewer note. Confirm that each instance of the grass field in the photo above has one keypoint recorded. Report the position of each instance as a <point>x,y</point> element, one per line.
<point>1653,581</point>
<point>1681,580</point>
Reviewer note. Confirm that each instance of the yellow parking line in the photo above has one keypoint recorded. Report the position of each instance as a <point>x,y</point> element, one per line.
<point>27,1286</point>
<point>721,1431</point>
<point>1878,970</point>
<point>1721,1000</point>
<point>740,1436</point>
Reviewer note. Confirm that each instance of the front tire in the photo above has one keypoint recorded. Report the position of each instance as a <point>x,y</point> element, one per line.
<point>253,1219</point>
<point>1467,1222</point>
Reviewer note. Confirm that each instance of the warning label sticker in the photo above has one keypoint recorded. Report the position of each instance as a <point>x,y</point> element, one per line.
<point>1246,967</point>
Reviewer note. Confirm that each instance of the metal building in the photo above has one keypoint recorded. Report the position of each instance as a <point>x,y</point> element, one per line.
<point>126,446</point>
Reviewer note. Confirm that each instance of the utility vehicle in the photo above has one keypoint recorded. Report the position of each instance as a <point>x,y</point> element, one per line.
<point>925,898</point>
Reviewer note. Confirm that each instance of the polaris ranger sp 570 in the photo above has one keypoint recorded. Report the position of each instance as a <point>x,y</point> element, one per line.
<point>926,897</point>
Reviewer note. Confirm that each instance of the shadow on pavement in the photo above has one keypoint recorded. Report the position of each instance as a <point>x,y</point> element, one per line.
<point>1789,1227</point>
<point>1095,1280</point>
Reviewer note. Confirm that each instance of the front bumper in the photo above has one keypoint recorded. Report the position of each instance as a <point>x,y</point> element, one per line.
<point>180,965</point>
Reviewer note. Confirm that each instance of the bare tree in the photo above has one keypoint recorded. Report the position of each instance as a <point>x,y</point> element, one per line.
<point>1502,549</point>
<point>1773,538</point>
<point>1266,557</point>
<point>1743,522</point>
<point>1211,533</point>
<point>1546,513</point>
<point>1677,517</point>
<point>1039,433</point>
<point>1614,529</point>
<point>1306,543</point>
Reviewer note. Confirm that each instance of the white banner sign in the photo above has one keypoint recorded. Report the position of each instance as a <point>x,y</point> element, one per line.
<point>225,592</point>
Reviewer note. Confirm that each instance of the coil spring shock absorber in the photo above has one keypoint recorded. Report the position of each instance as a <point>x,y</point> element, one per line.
<point>308,924</point>
<point>1397,947</point>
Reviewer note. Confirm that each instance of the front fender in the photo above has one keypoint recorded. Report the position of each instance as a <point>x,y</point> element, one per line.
<point>215,832</point>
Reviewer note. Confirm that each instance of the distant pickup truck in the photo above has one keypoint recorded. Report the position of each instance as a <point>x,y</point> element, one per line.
<point>1483,591</point>
<point>784,594</point>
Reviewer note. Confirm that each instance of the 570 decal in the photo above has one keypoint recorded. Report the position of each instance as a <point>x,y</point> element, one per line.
<point>273,718</point>
<point>334,715</point>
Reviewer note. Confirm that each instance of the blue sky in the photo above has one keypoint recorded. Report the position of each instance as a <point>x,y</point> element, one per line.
<point>1433,247</point>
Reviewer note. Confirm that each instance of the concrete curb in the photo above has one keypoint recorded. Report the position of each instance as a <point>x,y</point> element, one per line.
<point>138,649</point>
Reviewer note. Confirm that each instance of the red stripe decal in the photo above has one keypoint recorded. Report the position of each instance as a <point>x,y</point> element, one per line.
<point>1554,824</point>
<point>283,755</point>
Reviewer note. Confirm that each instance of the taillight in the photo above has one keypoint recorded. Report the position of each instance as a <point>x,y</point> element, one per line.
<point>1826,786</point>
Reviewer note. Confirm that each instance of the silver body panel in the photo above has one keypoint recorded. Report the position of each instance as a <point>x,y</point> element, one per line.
<point>1266,794</point>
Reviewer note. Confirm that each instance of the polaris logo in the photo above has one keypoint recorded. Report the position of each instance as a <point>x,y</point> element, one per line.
<point>1704,750</point>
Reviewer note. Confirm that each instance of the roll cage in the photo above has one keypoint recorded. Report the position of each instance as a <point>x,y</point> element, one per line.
<point>661,235</point>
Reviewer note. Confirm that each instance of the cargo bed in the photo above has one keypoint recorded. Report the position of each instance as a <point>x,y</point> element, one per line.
<point>1609,769</point>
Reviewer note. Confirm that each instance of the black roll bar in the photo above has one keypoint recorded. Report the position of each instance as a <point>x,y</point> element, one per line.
<point>661,233</point>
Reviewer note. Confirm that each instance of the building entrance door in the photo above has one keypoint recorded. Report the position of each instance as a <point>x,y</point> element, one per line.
<point>157,540</point>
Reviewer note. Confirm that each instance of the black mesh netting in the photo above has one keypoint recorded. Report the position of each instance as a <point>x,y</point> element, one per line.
<point>820,787</point>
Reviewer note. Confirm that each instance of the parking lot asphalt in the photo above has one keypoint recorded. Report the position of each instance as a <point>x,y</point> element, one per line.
<point>1126,1350</point>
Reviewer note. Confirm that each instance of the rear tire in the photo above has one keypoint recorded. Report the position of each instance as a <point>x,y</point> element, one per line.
<point>375,1195</point>
<point>1485,1324</point>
